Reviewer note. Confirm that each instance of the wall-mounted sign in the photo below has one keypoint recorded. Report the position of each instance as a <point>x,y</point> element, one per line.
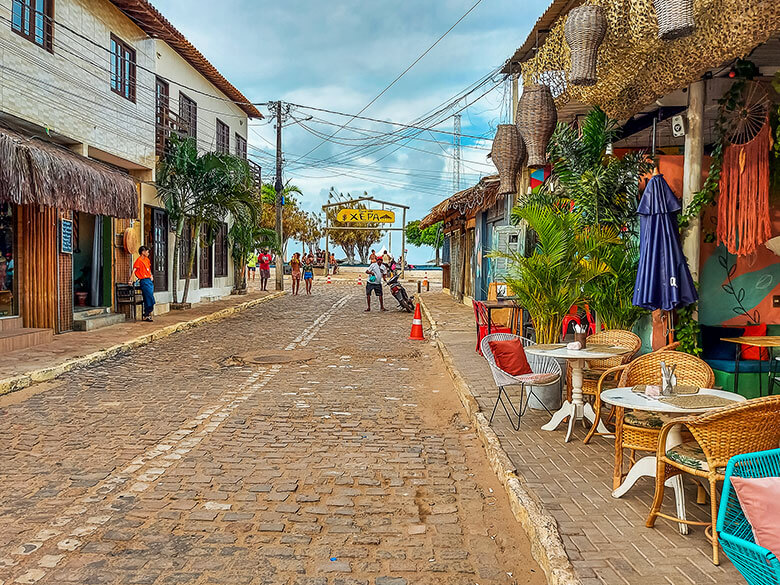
<point>66,236</point>
<point>366,215</point>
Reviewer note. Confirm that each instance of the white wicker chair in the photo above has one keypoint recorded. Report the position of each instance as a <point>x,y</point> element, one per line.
<point>545,372</point>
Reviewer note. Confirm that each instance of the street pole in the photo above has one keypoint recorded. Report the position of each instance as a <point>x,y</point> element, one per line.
<point>403,245</point>
<point>278,186</point>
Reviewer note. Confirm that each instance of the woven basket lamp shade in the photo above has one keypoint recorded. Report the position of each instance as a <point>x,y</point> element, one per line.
<point>536,120</point>
<point>508,154</point>
<point>675,18</point>
<point>586,27</point>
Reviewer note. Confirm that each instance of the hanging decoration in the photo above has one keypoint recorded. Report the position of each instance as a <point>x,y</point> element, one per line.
<point>508,154</point>
<point>536,120</point>
<point>675,18</point>
<point>585,29</point>
<point>743,203</point>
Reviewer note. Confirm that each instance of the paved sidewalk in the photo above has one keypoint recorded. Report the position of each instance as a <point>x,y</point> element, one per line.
<point>605,538</point>
<point>18,369</point>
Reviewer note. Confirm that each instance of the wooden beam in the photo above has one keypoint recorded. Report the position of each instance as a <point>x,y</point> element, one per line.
<point>694,153</point>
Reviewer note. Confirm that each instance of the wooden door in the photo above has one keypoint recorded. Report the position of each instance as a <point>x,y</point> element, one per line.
<point>159,248</point>
<point>206,265</point>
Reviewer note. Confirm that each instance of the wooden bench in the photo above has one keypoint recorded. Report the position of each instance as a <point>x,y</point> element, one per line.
<point>128,295</point>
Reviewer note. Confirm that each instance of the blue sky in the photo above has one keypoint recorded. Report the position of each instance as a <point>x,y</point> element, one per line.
<point>338,55</point>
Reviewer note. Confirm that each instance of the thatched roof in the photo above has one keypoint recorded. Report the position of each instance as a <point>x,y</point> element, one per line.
<point>33,171</point>
<point>153,23</point>
<point>482,195</point>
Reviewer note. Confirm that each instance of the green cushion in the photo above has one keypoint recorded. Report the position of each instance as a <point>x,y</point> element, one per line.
<point>690,455</point>
<point>646,420</point>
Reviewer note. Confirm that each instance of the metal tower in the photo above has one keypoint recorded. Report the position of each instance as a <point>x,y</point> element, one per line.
<point>456,155</point>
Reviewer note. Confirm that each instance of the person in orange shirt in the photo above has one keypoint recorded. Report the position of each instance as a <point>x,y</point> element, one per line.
<point>142,270</point>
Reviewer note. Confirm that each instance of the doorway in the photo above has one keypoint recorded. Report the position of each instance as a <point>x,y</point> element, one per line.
<point>156,235</point>
<point>206,279</point>
<point>91,260</point>
<point>9,305</point>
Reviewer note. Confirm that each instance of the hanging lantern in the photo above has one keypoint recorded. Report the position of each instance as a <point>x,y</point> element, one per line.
<point>536,119</point>
<point>508,154</point>
<point>586,27</point>
<point>675,18</point>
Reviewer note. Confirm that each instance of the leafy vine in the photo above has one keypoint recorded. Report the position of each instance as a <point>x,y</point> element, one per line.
<point>687,329</point>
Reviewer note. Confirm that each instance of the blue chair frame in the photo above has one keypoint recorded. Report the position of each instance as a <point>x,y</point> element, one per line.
<point>758,565</point>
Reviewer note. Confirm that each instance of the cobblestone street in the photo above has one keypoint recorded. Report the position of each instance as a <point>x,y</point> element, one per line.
<point>299,442</point>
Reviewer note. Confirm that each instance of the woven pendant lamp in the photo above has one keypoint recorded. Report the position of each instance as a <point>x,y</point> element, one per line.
<point>508,154</point>
<point>536,119</point>
<point>675,18</point>
<point>585,29</point>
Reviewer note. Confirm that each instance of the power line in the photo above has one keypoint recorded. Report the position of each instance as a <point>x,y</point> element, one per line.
<point>404,72</point>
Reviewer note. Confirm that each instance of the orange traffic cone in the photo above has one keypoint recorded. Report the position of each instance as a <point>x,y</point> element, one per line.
<point>417,330</point>
<point>329,278</point>
<point>360,281</point>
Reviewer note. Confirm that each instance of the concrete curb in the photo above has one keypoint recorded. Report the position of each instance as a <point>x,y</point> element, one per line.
<point>15,383</point>
<point>541,528</point>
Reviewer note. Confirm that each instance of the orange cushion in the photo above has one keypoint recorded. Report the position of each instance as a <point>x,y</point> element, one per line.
<point>761,505</point>
<point>755,353</point>
<point>510,356</point>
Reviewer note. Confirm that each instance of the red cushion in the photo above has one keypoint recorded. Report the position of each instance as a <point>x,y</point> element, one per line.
<point>760,501</point>
<point>510,356</point>
<point>755,353</point>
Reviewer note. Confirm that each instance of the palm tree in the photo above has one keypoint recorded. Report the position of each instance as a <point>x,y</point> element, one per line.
<point>290,211</point>
<point>246,236</point>
<point>566,258</point>
<point>200,190</point>
<point>610,295</point>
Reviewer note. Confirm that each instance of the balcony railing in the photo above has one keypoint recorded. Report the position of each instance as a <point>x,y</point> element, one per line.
<point>257,171</point>
<point>167,123</point>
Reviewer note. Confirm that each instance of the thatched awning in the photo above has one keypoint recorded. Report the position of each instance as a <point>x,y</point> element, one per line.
<point>33,171</point>
<point>481,196</point>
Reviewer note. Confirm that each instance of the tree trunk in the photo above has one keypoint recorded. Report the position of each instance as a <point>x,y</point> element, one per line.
<point>438,256</point>
<point>176,247</point>
<point>191,260</point>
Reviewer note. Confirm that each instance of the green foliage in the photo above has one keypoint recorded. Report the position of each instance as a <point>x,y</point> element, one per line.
<point>568,255</point>
<point>611,293</point>
<point>351,240</point>
<point>687,330</point>
<point>603,188</point>
<point>296,223</point>
<point>430,236</point>
<point>246,236</point>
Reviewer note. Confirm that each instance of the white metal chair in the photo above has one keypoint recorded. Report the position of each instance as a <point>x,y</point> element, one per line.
<point>546,371</point>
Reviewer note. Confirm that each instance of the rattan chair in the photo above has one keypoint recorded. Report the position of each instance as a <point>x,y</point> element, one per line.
<point>596,368</point>
<point>719,435</point>
<point>639,430</point>
<point>545,372</point>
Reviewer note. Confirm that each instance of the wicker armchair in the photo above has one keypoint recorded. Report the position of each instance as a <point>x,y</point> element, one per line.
<point>718,436</point>
<point>595,372</point>
<point>639,430</point>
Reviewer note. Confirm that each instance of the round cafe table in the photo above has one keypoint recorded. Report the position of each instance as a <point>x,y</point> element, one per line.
<point>577,408</point>
<point>623,398</point>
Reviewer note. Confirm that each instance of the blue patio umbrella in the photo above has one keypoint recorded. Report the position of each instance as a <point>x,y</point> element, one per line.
<point>663,280</point>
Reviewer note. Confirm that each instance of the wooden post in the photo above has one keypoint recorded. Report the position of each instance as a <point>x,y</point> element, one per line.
<point>694,152</point>
<point>515,96</point>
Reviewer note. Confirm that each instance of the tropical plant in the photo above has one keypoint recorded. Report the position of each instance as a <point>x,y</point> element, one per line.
<point>602,187</point>
<point>351,240</point>
<point>246,236</point>
<point>567,256</point>
<point>199,190</point>
<point>293,218</point>
<point>430,236</point>
<point>611,293</point>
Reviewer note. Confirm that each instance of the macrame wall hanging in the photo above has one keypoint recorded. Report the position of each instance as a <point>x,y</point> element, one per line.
<point>743,202</point>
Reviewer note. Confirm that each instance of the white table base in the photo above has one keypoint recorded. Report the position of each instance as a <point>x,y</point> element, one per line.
<point>648,466</point>
<point>575,409</point>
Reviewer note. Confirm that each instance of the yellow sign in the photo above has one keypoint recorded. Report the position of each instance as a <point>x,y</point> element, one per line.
<point>365,216</point>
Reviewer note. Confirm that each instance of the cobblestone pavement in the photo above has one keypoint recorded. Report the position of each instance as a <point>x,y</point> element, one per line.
<point>605,538</point>
<point>300,442</point>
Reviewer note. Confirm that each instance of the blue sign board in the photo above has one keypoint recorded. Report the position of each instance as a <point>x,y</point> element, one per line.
<point>66,236</point>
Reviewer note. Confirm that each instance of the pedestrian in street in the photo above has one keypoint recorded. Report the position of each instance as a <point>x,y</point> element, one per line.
<point>251,266</point>
<point>377,272</point>
<point>295,273</point>
<point>264,265</point>
<point>386,258</point>
<point>142,270</point>
<point>308,272</point>
<point>334,263</point>
<point>372,258</point>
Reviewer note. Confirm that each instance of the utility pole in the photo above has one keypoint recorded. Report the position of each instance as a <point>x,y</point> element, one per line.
<point>279,186</point>
<point>456,155</point>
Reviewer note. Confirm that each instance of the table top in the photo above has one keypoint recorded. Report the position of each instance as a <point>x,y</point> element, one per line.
<point>506,304</point>
<point>755,341</point>
<point>627,398</point>
<point>589,353</point>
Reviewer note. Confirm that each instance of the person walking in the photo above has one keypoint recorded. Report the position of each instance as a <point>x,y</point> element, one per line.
<point>295,273</point>
<point>308,272</point>
<point>334,263</point>
<point>377,272</point>
<point>386,258</point>
<point>264,264</point>
<point>372,258</point>
<point>251,266</point>
<point>142,270</point>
